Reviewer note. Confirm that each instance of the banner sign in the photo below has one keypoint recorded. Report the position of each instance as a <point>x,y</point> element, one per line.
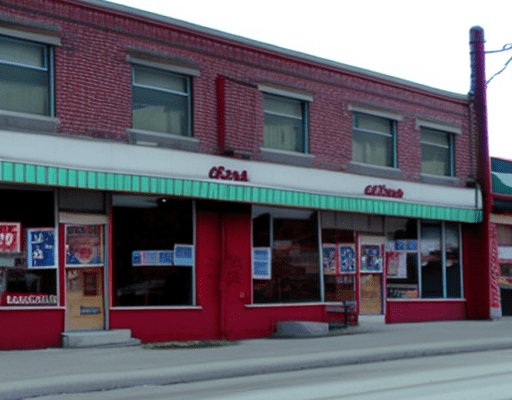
<point>40,248</point>
<point>84,245</point>
<point>10,237</point>
<point>261,263</point>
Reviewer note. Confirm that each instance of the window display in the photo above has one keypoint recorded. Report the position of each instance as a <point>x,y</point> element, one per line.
<point>28,269</point>
<point>339,265</point>
<point>153,252</point>
<point>292,237</point>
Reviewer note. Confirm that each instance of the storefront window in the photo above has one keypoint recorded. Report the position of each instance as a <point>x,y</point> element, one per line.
<point>28,263</point>
<point>440,260</point>
<point>453,271</point>
<point>402,258</point>
<point>431,260</point>
<point>435,254</point>
<point>285,256</point>
<point>153,253</point>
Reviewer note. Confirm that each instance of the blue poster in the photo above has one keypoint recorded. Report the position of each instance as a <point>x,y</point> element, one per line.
<point>142,258</point>
<point>261,263</point>
<point>41,248</point>
<point>183,255</point>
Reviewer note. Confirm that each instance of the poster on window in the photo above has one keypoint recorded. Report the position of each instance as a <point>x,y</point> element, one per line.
<point>143,258</point>
<point>329,259</point>
<point>41,248</point>
<point>397,265</point>
<point>347,256</point>
<point>409,245</point>
<point>184,255</point>
<point>371,259</point>
<point>10,237</point>
<point>84,245</point>
<point>261,263</point>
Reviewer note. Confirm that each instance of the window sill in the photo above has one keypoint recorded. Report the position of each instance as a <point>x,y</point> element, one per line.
<point>440,180</point>
<point>416,299</point>
<point>266,305</point>
<point>157,139</point>
<point>32,308</point>
<point>28,123</point>
<point>375,170</point>
<point>286,157</point>
<point>160,308</point>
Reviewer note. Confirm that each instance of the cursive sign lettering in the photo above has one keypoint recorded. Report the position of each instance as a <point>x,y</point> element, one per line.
<point>228,174</point>
<point>383,191</point>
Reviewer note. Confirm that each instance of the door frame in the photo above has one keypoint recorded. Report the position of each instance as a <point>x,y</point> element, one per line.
<point>370,239</point>
<point>68,218</point>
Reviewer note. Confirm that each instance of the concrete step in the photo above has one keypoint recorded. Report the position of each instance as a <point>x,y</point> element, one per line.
<point>301,329</point>
<point>115,337</point>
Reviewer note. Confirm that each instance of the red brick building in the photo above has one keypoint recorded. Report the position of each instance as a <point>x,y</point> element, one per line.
<point>185,183</point>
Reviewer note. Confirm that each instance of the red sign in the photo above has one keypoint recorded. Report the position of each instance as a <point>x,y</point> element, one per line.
<point>10,235</point>
<point>383,191</point>
<point>227,174</point>
<point>28,299</point>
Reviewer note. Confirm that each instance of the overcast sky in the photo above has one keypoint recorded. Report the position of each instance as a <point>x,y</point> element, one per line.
<point>425,42</point>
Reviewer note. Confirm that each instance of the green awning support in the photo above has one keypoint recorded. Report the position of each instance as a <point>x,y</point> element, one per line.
<point>72,178</point>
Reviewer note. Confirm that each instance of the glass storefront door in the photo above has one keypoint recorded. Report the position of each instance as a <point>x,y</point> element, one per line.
<point>84,277</point>
<point>371,262</point>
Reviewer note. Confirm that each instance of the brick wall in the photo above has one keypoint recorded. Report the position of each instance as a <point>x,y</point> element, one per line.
<point>93,86</point>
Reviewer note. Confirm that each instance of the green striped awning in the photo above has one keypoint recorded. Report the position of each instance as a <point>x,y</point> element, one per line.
<point>214,190</point>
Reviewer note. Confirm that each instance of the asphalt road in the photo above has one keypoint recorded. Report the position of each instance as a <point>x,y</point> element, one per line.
<point>467,376</point>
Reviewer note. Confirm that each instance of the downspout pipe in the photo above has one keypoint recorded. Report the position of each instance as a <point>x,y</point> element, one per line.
<point>478,92</point>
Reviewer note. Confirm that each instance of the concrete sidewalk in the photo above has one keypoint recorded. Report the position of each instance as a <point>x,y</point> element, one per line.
<point>34,373</point>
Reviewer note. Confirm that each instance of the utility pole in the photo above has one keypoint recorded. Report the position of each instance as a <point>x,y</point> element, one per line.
<point>480,277</point>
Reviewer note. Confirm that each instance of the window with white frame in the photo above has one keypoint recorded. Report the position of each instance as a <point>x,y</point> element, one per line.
<point>436,152</point>
<point>26,76</point>
<point>161,101</point>
<point>374,140</point>
<point>285,123</point>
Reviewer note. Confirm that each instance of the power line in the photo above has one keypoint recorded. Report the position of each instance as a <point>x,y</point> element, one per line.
<point>506,47</point>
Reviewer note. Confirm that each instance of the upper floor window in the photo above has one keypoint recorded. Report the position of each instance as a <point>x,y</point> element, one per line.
<point>285,123</point>
<point>374,140</point>
<point>436,152</point>
<point>25,77</point>
<point>161,101</point>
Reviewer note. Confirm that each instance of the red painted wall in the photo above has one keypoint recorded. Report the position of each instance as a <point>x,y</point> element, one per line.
<point>424,310</point>
<point>476,273</point>
<point>30,329</point>
<point>224,288</point>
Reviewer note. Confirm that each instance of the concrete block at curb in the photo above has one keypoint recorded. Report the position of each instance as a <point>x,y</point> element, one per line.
<point>301,329</point>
